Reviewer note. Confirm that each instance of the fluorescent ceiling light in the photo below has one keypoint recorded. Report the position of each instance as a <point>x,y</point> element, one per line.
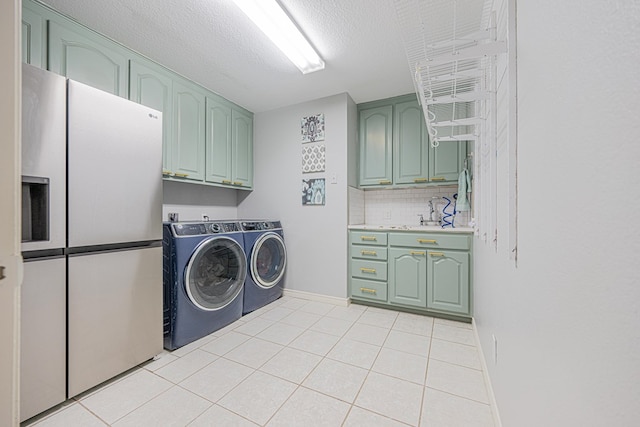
<point>276,24</point>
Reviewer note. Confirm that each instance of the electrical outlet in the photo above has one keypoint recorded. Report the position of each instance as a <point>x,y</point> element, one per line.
<point>387,214</point>
<point>205,217</point>
<point>495,349</point>
<point>334,178</point>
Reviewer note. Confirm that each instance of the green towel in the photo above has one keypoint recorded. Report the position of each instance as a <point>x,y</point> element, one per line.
<point>464,187</point>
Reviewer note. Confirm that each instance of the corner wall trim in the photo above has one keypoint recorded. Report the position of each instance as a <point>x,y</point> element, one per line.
<point>342,302</point>
<point>487,380</point>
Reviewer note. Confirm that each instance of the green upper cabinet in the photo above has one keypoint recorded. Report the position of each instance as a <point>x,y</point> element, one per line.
<point>411,144</point>
<point>218,142</point>
<point>242,133</point>
<point>152,86</point>
<point>206,139</point>
<point>446,160</point>
<point>407,276</point>
<point>448,281</point>
<point>395,148</point>
<point>187,156</point>
<point>82,55</point>
<point>376,129</point>
<point>229,144</point>
<point>33,37</point>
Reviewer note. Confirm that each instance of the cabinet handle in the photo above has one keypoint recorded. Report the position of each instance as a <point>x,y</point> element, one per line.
<point>237,183</point>
<point>226,181</point>
<point>437,178</point>
<point>427,241</point>
<point>368,270</point>
<point>367,290</point>
<point>385,181</point>
<point>369,238</point>
<point>417,253</point>
<point>181,175</point>
<point>165,172</point>
<point>436,254</point>
<point>420,179</point>
<point>368,253</point>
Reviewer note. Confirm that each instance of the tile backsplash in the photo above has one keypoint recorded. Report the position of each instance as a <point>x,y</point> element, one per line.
<point>402,206</point>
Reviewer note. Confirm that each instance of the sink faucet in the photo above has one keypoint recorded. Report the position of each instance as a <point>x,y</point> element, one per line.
<point>421,219</point>
<point>431,211</point>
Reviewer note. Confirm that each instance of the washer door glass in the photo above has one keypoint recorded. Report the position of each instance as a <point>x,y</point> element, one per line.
<point>268,260</point>
<point>216,272</point>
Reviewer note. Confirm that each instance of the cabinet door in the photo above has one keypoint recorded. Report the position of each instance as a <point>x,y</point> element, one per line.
<point>375,146</point>
<point>408,277</point>
<point>410,144</point>
<point>88,58</point>
<point>152,87</point>
<point>445,161</point>
<point>448,281</point>
<point>33,42</point>
<point>242,134</point>
<point>218,142</point>
<point>187,158</point>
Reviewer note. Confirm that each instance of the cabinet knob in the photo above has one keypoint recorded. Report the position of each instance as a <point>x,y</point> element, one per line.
<point>226,181</point>
<point>427,241</point>
<point>368,270</point>
<point>237,183</point>
<point>181,175</point>
<point>368,238</point>
<point>436,254</point>
<point>367,290</point>
<point>421,253</point>
<point>374,253</point>
<point>385,181</point>
<point>420,179</point>
<point>437,178</point>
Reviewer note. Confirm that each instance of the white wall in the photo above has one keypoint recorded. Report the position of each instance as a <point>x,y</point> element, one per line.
<point>316,236</point>
<point>191,201</point>
<point>566,318</point>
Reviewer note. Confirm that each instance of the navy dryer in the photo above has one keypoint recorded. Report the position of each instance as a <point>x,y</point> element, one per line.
<point>205,268</point>
<point>266,259</point>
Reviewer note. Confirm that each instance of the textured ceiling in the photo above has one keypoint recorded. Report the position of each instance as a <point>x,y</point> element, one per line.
<point>213,43</point>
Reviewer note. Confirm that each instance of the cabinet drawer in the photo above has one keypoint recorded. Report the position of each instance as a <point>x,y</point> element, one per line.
<point>376,270</point>
<point>430,240</point>
<point>369,252</point>
<point>368,289</point>
<point>369,238</point>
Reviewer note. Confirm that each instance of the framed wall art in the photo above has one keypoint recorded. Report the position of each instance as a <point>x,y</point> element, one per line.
<point>313,192</point>
<point>313,158</point>
<point>312,128</point>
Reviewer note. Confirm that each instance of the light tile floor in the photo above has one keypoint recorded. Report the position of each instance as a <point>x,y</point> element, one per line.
<point>300,363</point>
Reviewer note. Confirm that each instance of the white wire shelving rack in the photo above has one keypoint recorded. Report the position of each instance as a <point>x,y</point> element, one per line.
<point>451,48</point>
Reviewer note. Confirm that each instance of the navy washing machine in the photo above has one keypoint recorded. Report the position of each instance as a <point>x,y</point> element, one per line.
<point>205,268</point>
<point>266,262</point>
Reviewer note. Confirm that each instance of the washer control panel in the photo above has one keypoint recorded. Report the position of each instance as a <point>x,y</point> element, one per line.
<point>181,229</point>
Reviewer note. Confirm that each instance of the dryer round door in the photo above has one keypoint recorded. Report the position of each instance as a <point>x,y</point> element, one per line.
<point>215,273</point>
<point>268,260</point>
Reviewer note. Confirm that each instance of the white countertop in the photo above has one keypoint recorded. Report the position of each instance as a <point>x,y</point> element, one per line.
<point>417,228</point>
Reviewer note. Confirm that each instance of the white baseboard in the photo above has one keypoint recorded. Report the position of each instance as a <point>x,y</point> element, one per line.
<point>342,302</point>
<point>487,380</point>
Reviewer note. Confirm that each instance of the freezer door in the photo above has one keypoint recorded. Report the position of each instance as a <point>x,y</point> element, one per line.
<point>44,140</point>
<point>42,336</point>
<point>115,314</point>
<point>115,169</point>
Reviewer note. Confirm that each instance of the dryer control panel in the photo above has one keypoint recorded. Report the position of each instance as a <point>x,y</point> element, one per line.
<point>260,225</point>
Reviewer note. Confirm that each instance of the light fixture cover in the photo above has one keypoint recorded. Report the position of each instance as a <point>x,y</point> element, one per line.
<point>276,24</point>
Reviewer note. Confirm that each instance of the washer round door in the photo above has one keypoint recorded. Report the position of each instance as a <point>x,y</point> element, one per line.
<point>215,273</point>
<point>268,260</point>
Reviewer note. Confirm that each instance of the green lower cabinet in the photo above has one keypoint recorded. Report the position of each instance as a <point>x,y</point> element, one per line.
<point>448,281</point>
<point>82,55</point>
<point>407,277</point>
